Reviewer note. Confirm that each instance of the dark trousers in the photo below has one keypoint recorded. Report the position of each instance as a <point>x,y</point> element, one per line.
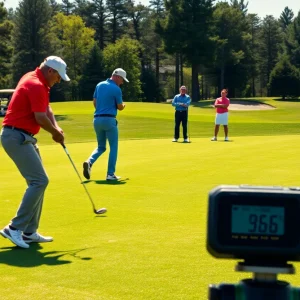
<point>180,117</point>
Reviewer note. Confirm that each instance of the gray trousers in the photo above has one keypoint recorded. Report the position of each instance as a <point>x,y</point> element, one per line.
<point>23,150</point>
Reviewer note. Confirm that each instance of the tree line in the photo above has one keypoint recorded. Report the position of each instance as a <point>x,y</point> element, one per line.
<point>205,45</point>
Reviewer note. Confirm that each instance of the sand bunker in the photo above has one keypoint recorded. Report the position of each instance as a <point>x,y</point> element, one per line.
<point>248,105</point>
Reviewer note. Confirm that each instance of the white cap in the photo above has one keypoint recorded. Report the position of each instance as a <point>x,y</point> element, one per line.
<point>120,72</point>
<point>59,65</point>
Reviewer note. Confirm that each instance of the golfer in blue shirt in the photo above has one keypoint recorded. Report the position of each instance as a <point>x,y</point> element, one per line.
<point>181,103</point>
<point>107,101</point>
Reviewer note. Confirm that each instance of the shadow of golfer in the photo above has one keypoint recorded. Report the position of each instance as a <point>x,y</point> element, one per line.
<point>32,257</point>
<point>108,182</point>
<point>62,117</point>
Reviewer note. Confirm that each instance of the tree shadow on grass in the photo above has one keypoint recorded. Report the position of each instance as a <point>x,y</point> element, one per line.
<point>287,100</point>
<point>32,257</point>
<point>202,104</point>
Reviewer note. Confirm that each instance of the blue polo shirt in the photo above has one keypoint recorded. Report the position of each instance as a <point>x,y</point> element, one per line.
<point>181,99</point>
<point>108,95</point>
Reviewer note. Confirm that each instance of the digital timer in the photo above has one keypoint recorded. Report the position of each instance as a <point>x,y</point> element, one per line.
<point>257,220</point>
<point>254,222</point>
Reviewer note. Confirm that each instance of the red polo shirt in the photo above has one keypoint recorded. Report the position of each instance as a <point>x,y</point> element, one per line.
<point>31,95</point>
<point>226,101</point>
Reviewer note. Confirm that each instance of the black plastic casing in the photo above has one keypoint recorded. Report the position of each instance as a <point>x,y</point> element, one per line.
<point>220,242</point>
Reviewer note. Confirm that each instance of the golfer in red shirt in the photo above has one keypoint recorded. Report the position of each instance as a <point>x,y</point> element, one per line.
<point>28,111</point>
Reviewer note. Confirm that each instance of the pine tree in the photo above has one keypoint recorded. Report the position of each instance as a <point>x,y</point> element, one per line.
<point>117,17</point>
<point>93,73</point>
<point>100,23</point>
<point>285,79</point>
<point>239,4</point>
<point>172,34</point>
<point>136,14</point>
<point>67,7</point>
<point>233,48</point>
<point>270,46</point>
<point>55,7</point>
<point>86,10</point>
<point>6,49</point>
<point>254,24</point>
<point>158,7</point>
<point>292,41</point>
<point>188,31</point>
<point>158,15</point>
<point>286,18</point>
<point>31,41</point>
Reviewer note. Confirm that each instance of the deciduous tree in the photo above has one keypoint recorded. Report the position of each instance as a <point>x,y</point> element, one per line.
<point>125,54</point>
<point>74,41</point>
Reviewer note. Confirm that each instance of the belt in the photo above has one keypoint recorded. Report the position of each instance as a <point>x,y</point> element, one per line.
<point>18,129</point>
<point>181,110</point>
<point>105,115</point>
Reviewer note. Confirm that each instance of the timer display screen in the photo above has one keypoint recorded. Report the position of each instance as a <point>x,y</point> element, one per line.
<point>257,220</point>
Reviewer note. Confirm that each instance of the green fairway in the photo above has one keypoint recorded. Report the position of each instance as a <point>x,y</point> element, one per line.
<point>156,121</point>
<point>151,242</point>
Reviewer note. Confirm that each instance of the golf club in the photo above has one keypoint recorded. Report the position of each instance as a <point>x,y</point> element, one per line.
<point>96,211</point>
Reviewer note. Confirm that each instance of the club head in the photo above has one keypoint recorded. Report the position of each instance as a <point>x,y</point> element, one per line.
<point>100,211</point>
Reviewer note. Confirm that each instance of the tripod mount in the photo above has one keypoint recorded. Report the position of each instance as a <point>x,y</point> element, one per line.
<point>263,286</point>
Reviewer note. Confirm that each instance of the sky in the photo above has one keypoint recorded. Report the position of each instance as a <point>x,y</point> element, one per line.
<point>259,7</point>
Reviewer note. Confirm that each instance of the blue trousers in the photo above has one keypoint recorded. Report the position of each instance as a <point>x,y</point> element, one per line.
<point>106,128</point>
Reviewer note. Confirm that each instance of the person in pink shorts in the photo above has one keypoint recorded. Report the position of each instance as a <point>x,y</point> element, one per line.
<point>221,105</point>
